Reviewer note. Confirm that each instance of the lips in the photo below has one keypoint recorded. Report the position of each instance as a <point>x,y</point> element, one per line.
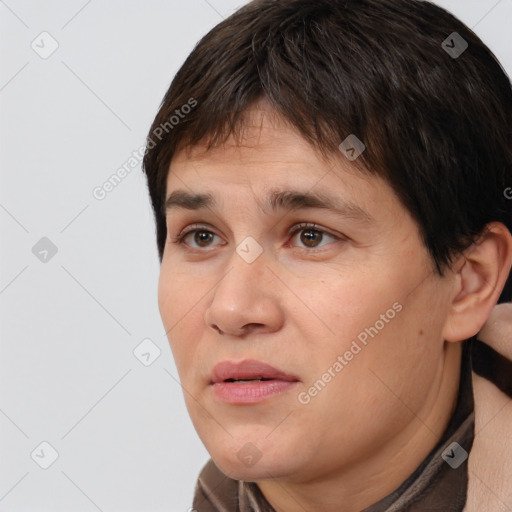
<point>248,370</point>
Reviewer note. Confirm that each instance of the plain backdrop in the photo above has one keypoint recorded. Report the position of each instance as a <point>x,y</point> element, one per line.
<point>92,415</point>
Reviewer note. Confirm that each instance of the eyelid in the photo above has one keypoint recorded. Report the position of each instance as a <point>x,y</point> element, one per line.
<point>309,225</point>
<point>302,226</point>
<point>190,229</point>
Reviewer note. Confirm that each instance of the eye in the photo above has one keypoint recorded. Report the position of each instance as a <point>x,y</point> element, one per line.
<point>201,236</point>
<point>311,235</point>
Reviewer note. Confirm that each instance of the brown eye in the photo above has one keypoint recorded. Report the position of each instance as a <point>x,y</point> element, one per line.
<point>310,236</point>
<point>196,237</point>
<point>201,237</point>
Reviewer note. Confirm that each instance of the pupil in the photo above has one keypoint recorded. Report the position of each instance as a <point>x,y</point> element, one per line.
<point>202,236</point>
<point>311,236</point>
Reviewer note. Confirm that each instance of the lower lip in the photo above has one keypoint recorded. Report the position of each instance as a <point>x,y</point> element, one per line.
<point>250,392</point>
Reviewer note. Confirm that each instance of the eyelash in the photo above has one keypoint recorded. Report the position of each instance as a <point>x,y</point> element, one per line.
<point>180,239</point>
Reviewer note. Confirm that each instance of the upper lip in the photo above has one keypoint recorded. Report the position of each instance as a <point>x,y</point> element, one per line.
<point>247,369</point>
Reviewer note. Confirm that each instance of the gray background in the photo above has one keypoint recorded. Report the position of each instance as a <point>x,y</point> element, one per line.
<point>71,321</point>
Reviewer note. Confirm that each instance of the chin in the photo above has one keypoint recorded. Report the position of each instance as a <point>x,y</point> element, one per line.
<point>248,463</point>
<point>238,470</point>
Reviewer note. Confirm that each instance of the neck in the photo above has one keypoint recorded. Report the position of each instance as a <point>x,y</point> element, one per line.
<point>364,484</point>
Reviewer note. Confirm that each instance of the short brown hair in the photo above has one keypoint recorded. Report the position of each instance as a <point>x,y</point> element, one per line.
<point>436,126</point>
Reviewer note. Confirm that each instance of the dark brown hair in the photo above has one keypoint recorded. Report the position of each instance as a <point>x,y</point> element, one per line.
<point>436,126</point>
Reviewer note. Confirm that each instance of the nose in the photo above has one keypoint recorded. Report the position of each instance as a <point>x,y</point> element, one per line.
<point>246,299</point>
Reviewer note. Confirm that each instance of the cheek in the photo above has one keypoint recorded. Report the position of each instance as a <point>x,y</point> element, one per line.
<point>384,333</point>
<point>176,293</point>
<point>356,306</point>
<point>402,359</point>
<point>180,310</point>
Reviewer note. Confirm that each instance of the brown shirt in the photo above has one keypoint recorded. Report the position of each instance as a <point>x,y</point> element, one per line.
<point>433,486</point>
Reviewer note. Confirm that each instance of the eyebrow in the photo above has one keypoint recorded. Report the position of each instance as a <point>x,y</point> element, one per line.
<point>276,201</point>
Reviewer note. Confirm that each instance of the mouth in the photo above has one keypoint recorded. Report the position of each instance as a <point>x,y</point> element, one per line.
<point>248,370</point>
<point>249,381</point>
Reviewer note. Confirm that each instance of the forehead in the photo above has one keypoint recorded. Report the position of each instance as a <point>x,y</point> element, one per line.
<point>259,129</point>
<point>279,167</point>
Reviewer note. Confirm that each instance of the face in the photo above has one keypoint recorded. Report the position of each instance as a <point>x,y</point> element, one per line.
<point>341,301</point>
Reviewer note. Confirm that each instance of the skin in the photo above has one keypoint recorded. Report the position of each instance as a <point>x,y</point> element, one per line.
<point>490,460</point>
<point>300,305</point>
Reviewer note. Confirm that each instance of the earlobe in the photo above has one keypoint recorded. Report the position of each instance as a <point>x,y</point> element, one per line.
<point>481,273</point>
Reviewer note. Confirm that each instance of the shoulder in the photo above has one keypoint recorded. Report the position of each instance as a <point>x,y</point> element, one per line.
<point>490,460</point>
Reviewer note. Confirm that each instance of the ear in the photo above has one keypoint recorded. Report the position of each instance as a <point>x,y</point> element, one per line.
<point>480,275</point>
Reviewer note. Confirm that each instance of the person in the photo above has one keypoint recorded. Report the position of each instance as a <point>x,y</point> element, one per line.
<point>330,187</point>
